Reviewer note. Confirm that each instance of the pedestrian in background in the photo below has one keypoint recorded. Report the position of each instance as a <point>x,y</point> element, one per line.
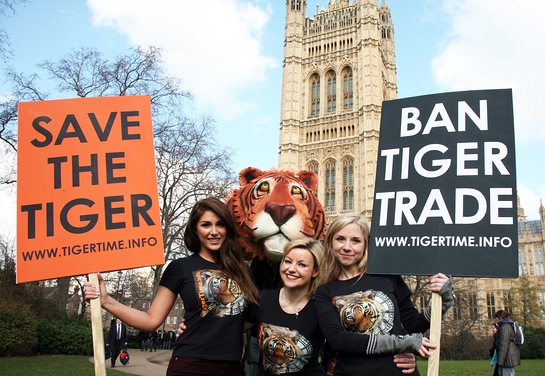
<point>117,340</point>
<point>507,351</point>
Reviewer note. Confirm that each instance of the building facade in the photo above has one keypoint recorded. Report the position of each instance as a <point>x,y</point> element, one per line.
<point>338,68</point>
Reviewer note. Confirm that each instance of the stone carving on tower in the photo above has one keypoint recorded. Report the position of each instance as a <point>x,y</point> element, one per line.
<point>339,66</point>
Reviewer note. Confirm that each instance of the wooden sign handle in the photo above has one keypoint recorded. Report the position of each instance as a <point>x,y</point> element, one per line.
<point>435,334</point>
<point>98,336</point>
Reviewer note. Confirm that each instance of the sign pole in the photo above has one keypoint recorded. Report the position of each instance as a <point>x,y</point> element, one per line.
<point>98,336</point>
<point>435,334</point>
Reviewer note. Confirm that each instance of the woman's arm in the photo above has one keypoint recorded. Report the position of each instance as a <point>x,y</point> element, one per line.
<point>413,321</point>
<point>147,321</point>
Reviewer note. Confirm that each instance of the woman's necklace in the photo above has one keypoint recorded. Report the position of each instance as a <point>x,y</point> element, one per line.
<point>294,308</point>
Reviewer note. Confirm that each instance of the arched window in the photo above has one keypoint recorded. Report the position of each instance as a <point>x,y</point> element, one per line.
<point>490,305</point>
<point>313,166</point>
<point>523,269</point>
<point>348,89</point>
<point>538,257</point>
<point>330,186</point>
<point>315,94</point>
<point>348,184</point>
<point>331,91</point>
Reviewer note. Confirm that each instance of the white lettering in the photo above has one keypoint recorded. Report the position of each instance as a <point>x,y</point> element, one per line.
<point>443,164</point>
<point>461,193</point>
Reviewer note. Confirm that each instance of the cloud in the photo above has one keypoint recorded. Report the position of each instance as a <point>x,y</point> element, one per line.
<point>492,44</point>
<point>529,201</point>
<point>214,46</point>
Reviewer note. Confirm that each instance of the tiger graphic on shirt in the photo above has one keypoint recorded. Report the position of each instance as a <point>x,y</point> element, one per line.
<point>369,312</point>
<point>283,350</point>
<point>218,294</point>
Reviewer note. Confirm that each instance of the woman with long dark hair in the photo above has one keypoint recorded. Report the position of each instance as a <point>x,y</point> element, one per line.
<point>216,288</point>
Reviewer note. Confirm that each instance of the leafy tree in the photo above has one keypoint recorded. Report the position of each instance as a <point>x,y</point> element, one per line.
<point>524,301</point>
<point>534,345</point>
<point>34,295</point>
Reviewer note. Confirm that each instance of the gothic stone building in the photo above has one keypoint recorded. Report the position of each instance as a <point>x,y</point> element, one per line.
<point>339,66</point>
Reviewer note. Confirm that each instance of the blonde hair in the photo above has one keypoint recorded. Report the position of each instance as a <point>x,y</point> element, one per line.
<point>331,268</point>
<point>315,248</point>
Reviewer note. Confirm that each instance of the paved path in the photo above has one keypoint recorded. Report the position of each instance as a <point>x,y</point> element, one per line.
<point>144,363</point>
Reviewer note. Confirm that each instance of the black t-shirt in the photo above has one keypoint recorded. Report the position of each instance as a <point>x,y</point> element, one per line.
<point>289,344</point>
<point>214,309</point>
<point>349,311</point>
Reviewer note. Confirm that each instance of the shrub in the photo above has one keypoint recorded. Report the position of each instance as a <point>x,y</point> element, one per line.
<point>17,329</point>
<point>463,345</point>
<point>534,345</point>
<point>69,336</point>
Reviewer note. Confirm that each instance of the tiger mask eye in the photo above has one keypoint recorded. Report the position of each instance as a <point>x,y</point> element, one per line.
<point>264,187</point>
<point>298,191</point>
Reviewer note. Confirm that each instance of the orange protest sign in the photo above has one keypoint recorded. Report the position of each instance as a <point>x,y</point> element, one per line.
<point>86,187</point>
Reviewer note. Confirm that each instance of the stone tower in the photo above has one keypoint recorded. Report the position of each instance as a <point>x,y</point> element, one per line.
<point>338,68</point>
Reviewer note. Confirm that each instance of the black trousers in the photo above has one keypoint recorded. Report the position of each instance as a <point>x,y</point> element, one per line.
<point>115,350</point>
<point>184,366</point>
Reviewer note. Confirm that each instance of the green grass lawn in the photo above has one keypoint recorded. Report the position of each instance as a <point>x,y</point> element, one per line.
<point>59,365</point>
<point>51,365</point>
<point>529,367</point>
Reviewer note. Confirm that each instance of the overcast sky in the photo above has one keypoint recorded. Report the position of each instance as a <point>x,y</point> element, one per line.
<point>229,53</point>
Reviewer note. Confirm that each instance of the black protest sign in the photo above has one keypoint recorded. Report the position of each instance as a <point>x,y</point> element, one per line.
<point>445,190</point>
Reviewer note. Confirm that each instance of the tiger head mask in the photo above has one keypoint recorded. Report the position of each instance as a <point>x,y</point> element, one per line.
<point>274,206</point>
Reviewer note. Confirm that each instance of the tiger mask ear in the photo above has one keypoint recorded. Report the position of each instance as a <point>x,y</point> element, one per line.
<point>248,174</point>
<point>309,178</point>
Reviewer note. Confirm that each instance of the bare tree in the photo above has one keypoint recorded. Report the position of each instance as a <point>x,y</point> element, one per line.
<point>7,7</point>
<point>189,167</point>
<point>459,324</point>
<point>190,164</point>
<point>24,89</point>
<point>8,104</point>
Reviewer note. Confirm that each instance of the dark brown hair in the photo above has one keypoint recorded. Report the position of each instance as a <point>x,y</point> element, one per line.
<point>501,314</point>
<point>229,258</point>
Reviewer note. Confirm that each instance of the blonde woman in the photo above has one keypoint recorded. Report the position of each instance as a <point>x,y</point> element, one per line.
<point>289,338</point>
<point>366,319</point>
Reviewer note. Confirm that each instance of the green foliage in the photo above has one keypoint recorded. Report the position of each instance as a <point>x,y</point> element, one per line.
<point>17,329</point>
<point>464,345</point>
<point>524,302</point>
<point>133,341</point>
<point>32,295</point>
<point>69,336</point>
<point>534,345</point>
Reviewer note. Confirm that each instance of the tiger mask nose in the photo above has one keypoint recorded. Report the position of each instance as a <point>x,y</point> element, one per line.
<point>280,213</point>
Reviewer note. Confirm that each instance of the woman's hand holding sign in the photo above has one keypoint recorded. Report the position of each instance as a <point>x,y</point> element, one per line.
<point>90,291</point>
<point>442,284</point>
